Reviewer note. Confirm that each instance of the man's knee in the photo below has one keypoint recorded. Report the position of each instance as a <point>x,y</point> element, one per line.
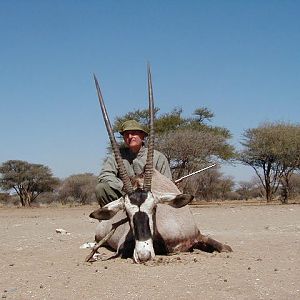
<point>101,189</point>
<point>105,194</point>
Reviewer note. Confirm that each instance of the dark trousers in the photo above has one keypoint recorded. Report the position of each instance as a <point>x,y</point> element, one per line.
<point>105,193</point>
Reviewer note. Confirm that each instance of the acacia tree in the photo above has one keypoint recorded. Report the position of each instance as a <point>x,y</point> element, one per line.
<point>289,158</point>
<point>273,151</point>
<point>188,143</point>
<point>187,150</point>
<point>26,179</point>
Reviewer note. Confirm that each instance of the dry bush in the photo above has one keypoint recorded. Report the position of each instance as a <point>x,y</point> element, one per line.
<point>250,189</point>
<point>47,199</point>
<point>294,188</point>
<point>209,185</point>
<point>9,200</point>
<point>78,188</point>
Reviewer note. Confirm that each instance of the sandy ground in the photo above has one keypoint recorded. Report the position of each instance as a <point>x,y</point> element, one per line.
<point>38,263</point>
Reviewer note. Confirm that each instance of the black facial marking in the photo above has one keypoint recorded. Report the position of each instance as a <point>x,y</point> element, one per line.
<point>138,197</point>
<point>141,225</point>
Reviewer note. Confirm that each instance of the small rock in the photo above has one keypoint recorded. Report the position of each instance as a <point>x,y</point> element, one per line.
<point>62,231</point>
<point>41,286</point>
<point>225,280</point>
<point>87,245</point>
<point>96,256</point>
<point>249,268</point>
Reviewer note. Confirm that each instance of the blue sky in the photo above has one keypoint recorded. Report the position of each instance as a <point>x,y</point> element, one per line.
<point>241,59</point>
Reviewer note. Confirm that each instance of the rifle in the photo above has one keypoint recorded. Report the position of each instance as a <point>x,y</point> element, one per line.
<point>191,174</point>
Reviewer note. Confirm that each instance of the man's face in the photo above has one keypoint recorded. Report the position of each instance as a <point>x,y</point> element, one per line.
<point>134,138</point>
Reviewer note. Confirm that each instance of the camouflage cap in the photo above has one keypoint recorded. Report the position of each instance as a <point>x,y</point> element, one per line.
<point>132,125</point>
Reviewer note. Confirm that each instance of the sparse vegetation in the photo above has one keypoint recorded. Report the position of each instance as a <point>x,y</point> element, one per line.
<point>27,180</point>
<point>79,188</point>
<point>272,150</point>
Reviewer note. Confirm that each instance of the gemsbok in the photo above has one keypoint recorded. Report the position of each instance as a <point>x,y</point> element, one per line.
<point>153,217</point>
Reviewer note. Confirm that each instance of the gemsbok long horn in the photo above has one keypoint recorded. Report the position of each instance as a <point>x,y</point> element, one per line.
<point>149,162</point>
<point>122,171</point>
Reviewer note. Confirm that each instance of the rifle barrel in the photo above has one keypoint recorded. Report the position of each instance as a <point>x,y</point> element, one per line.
<point>194,173</point>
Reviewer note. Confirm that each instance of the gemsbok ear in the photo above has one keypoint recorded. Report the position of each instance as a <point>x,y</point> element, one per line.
<point>174,200</point>
<point>108,211</point>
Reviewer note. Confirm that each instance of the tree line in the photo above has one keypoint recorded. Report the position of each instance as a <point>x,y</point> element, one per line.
<point>189,143</point>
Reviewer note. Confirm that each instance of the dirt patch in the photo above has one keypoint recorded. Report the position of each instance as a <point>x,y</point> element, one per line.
<point>39,263</point>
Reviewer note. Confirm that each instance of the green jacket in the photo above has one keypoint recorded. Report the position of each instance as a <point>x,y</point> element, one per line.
<point>134,165</point>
